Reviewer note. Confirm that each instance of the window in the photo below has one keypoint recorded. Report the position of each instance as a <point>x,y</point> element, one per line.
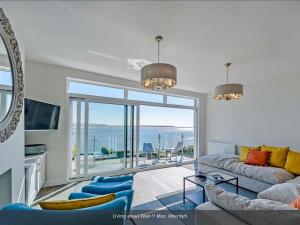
<point>131,129</point>
<point>180,101</point>
<point>95,90</point>
<point>76,87</point>
<point>5,78</point>
<point>143,96</point>
<point>166,128</point>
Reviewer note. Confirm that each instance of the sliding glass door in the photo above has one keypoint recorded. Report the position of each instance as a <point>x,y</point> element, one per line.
<point>102,137</point>
<point>114,129</point>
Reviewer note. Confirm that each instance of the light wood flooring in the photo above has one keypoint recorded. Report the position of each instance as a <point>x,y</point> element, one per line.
<point>152,183</point>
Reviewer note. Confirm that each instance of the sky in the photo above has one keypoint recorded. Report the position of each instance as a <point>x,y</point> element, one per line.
<point>111,114</point>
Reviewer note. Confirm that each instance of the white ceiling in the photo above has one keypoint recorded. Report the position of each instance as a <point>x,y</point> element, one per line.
<point>261,39</point>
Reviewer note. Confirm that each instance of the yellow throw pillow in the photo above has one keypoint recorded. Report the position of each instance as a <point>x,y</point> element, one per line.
<point>77,203</point>
<point>293,162</point>
<point>244,150</point>
<point>278,155</point>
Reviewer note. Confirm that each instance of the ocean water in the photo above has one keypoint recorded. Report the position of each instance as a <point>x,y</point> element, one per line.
<point>112,137</point>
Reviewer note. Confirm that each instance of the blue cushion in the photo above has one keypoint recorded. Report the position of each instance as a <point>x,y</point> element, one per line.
<point>112,183</point>
<point>129,196</point>
<point>107,188</point>
<point>113,179</point>
<point>16,206</point>
<point>80,195</point>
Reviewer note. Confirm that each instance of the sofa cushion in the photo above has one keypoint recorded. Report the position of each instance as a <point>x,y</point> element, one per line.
<point>278,155</point>
<point>244,150</point>
<point>258,211</point>
<point>224,199</point>
<point>296,180</point>
<point>258,158</point>
<point>266,204</point>
<point>77,203</point>
<point>296,203</point>
<point>284,193</point>
<point>293,162</point>
<point>271,175</point>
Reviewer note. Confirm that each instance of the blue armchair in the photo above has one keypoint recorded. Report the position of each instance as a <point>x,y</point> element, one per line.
<point>112,213</point>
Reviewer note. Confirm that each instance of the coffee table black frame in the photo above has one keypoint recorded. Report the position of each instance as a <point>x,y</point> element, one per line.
<point>208,181</point>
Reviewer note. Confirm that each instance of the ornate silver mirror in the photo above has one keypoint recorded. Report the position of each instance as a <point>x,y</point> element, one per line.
<point>11,80</point>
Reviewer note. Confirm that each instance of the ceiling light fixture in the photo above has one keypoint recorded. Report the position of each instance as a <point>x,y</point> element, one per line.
<point>228,91</point>
<point>158,75</point>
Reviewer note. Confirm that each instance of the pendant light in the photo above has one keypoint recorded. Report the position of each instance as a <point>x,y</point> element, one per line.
<point>157,76</point>
<point>228,91</point>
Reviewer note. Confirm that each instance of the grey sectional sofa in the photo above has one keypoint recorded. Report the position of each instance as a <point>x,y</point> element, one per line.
<point>254,178</point>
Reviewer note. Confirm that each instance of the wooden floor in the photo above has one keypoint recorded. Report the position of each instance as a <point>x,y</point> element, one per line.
<point>147,185</point>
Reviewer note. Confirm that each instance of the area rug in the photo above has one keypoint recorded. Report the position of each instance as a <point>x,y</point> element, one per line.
<point>174,201</point>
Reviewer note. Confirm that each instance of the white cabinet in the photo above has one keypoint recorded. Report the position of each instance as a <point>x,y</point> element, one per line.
<point>41,171</point>
<point>30,182</point>
<point>35,175</point>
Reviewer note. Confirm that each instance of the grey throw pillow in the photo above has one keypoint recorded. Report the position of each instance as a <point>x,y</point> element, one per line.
<point>286,193</point>
<point>258,211</point>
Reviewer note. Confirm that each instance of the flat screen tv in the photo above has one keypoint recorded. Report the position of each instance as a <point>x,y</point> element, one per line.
<point>40,115</point>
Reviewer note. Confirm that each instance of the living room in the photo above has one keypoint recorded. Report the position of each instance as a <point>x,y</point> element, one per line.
<point>83,112</point>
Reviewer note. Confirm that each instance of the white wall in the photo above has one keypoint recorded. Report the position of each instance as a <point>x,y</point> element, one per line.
<point>12,151</point>
<point>12,157</point>
<point>47,83</point>
<point>269,113</point>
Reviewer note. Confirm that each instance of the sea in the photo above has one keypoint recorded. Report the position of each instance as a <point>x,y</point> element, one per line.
<point>112,137</point>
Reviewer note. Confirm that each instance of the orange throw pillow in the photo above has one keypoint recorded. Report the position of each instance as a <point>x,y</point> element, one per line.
<point>258,158</point>
<point>296,203</point>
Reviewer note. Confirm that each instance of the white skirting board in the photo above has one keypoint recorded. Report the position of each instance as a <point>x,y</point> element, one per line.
<point>217,148</point>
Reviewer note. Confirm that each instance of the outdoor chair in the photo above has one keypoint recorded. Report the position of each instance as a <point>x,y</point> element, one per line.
<point>177,151</point>
<point>149,153</point>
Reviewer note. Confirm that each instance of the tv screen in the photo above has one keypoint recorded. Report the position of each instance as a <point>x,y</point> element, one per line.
<point>40,115</point>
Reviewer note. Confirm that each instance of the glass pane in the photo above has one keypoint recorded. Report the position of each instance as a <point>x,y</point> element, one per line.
<point>81,133</point>
<point>143,96</point>
<point>131,137</point>
<point>5,92</point>
<point>8,99</point>
<point>77,147</point>
<point>96,90</point>
<point>74,146</point>
<point>5,78</point>
<point>167,134</point>
<point>106,140</point>
<point>180,101</point>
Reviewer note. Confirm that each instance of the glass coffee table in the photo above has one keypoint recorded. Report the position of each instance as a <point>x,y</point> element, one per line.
<point>214,177</point>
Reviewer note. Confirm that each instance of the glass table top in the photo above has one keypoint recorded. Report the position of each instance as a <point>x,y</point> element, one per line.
<point>214,177</point>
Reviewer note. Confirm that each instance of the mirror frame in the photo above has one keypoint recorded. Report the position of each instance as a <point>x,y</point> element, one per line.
<point>10,122</point>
